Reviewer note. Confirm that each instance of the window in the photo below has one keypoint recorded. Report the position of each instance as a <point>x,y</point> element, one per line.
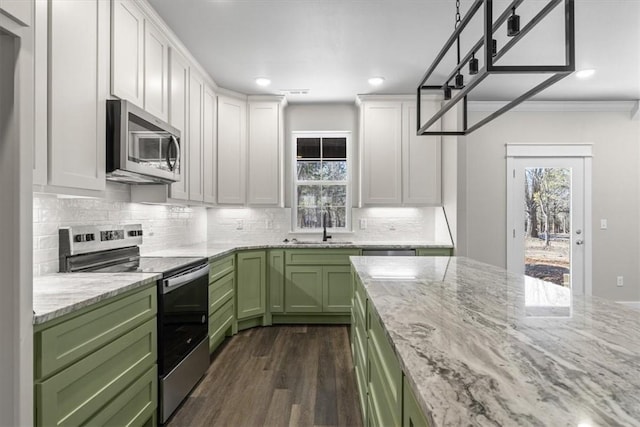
<point>321,181</point>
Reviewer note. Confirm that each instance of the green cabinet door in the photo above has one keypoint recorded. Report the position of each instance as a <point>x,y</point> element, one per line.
<point>276,281</point>
<point>337,289</point>
<point>412,415</point>
<point>251,284</point>
<point>303,289</point>
<point>434,252</point>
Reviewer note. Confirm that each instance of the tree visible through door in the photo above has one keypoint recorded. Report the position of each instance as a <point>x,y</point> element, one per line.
<point>547,206</point>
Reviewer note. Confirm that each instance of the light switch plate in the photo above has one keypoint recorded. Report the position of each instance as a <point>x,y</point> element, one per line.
<point>603,224</point>
<point>363,223</point>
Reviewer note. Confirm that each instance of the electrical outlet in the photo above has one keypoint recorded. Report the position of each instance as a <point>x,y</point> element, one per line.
<point>620,281</point>
<point>363,223</point>
<point>240,224</point>
<point>268,224</point>
<point>603,224</point>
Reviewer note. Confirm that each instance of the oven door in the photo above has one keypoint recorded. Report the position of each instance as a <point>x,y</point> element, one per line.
<point>182,316</point>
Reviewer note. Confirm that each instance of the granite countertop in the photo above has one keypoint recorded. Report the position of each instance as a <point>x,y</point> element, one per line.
<point>479,348</point>
<point>218,250</point>
<point>58,294</point>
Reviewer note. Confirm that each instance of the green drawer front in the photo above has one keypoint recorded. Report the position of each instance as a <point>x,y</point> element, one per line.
<point>221,267</point>
<point>133,407</point>
<point>434,252</point>
<point>412,415</point>
<point>360,303</point>
<point>360,346</point>
<point>320,256</point>
<point>77,393</point>
<point>383,407</point>
<point>220,292</point>
<point>361,382</point>
<point>61,345</point>
<point>387,374</point>
<point>220,321</point>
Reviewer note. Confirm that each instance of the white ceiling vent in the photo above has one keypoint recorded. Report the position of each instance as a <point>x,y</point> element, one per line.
<point>294,91</point>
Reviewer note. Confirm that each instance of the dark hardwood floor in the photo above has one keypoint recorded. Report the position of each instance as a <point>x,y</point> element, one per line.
<point>277,376</point>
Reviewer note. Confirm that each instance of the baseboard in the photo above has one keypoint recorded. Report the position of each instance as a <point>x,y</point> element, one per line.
<point>631,304</point>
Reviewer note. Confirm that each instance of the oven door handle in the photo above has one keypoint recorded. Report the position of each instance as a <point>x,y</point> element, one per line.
<point>174,142</point>
<point>173,283</point>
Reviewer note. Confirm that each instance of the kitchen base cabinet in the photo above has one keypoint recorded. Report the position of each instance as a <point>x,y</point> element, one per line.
<point>386,398</point>
<point>412,416</point>
<point>336,289</point>
<point>434,252</point>
<point>317,285</point>
<point>97,366</point>
<point>222,284</point>
<point>303,289</point>
<point>251,287</point>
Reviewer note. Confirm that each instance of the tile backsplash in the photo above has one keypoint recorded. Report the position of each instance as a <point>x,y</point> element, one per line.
<point>171,226</point>
<point>164,226</point>
<point>274,224</point>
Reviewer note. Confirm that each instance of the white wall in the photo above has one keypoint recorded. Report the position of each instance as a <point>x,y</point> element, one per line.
<point>16,157</point>
<point>615,139</point>
<point>321,117</point>
<point>164,226</point>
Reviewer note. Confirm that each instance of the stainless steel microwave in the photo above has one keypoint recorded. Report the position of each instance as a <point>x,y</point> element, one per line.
<point>141,149</point>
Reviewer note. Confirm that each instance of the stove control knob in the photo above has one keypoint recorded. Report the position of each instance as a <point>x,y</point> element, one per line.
<point>132,233</point>
<point>89,237</point>
<point>79,238</point>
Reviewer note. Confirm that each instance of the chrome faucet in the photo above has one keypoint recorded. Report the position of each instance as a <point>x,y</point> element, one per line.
<point>325,236</point>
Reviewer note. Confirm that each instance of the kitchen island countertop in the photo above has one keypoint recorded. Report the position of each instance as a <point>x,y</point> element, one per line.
<point>479,347</point>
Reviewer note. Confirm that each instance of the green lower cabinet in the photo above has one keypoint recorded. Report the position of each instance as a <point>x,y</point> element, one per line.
<point>303,289</point>
<point>337,289</point>
<point>221,324</point>
<point>276,281</point>
<point>136,406</point>
<point>434,252</point>
<point>412,415</point>
<point>251,284</point>
<point>78,393</point>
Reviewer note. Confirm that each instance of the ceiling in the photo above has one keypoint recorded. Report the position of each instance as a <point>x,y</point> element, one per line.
<point>331,47</point>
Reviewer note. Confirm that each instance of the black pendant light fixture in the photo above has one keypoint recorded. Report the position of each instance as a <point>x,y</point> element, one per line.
<point>513,24</point>
<point>489,46</point>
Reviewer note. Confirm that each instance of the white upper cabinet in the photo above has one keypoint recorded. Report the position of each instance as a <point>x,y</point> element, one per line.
<point>195,143</point>
<point>232,141</point>
<point>19,10</point>
<point>421,159</point>
<point>78,87</point>
<point>139,59</point>
<point>127,51</point>
<point>179,117</point>
<point>209,145</point>
<point>399,168</point>
<point>381,153</point>
<point>265,152</point>
<point>156,68</point>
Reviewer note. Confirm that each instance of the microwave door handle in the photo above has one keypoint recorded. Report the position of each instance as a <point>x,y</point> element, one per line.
<point>175,143</point>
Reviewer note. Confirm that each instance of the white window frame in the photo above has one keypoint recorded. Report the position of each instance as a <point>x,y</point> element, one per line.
<point>294,179</point>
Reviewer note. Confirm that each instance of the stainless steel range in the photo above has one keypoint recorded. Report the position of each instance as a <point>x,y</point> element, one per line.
<point>183,350</point>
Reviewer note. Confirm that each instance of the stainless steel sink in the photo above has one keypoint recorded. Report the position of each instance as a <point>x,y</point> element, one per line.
<point>319,242</point>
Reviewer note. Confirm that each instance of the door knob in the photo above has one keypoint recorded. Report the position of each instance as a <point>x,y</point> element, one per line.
<point>579,242</point>
<point>578,232</point>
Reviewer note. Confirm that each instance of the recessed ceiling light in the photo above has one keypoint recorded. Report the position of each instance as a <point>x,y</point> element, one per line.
<point>263,81</point>
<point>585,74</point>
<point>376,81</point>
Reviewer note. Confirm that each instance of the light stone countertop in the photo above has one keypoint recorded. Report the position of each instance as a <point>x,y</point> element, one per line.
<point>214,251</point>
<point>55,295</point>
<point>58,294</point>
<point>478,349</point>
